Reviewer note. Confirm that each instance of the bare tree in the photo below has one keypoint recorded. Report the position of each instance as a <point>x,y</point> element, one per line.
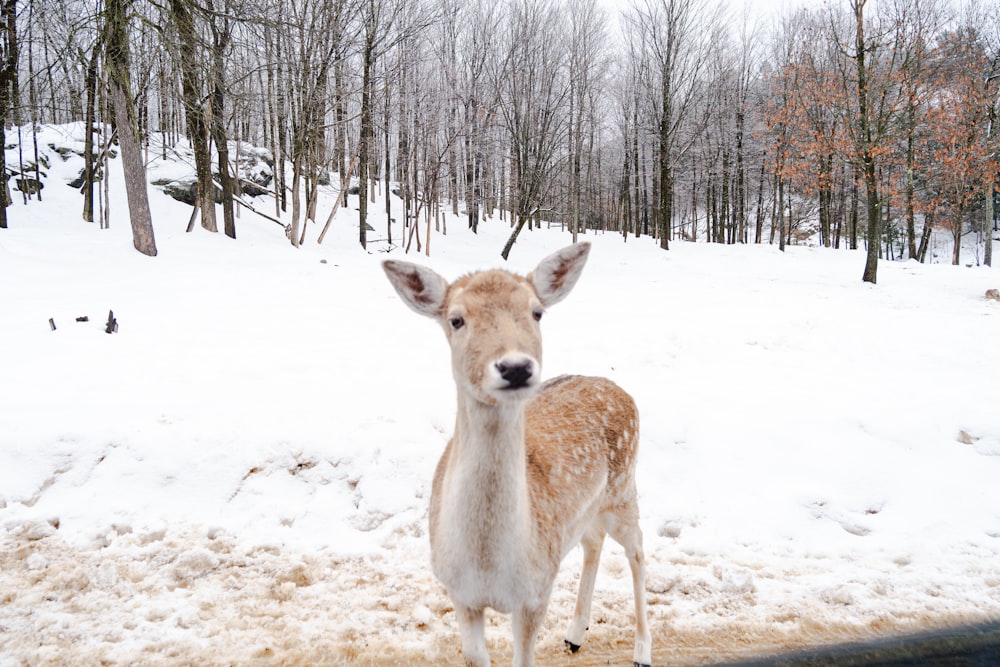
<point>634,105</point>
<point>746,69</point>
<point>117,62</point>
<point>191,58</point>
<point>90,118</point>
<point>478,25</point>
<point>535,90</point>
<point>875,99</point>
<point>779,107</point>
<point>587,64</point>
<point>960,125</point>
<point>672,35</point>
<point>982,15</point>
<point>811,118</point>
<point>920,21</point>
<point>314,45</point>
<point>384,23</point>
<point>221,25</point>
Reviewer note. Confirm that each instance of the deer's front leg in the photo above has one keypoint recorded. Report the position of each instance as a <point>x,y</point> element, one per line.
<point>526,622</point>
<point>471,627</point>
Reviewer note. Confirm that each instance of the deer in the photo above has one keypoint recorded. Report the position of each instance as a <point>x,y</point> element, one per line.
<point>533,468</point>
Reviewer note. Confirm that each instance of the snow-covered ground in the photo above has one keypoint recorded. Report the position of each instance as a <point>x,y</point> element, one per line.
<point>240,474</point>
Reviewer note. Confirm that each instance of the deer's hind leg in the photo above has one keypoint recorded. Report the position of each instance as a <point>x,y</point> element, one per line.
<point>624,529</point>
<point>592,542</point>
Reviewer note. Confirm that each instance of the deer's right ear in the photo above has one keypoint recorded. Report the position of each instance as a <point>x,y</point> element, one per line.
<point>421,289</point>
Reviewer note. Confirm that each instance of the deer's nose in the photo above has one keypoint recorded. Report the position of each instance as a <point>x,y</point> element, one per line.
<point>516,372</point>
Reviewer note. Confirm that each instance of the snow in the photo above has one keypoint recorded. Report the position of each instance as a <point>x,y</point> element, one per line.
<point>241,473</point>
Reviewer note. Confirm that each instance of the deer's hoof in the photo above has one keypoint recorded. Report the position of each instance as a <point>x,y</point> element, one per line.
<point>573,648</point>
<point>639,664</point>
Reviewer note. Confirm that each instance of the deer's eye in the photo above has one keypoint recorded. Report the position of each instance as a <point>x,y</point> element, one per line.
<point>457,322</point>
<point>537,314</point>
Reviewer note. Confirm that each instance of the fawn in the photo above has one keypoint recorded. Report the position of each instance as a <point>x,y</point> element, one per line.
<point>533,468</point>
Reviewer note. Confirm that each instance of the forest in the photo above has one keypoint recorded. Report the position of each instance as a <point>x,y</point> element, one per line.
<point>850,124</point>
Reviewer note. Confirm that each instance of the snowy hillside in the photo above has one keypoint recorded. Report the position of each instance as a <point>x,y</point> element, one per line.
<point>240,474</point>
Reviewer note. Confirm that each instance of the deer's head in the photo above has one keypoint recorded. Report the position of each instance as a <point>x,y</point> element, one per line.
<point>491,319</point>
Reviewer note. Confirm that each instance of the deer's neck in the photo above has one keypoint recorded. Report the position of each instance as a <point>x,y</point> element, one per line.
<point>488,480</point>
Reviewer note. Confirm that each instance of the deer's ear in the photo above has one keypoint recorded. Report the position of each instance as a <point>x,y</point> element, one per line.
<point>555,276</point>
<point>420,288</point>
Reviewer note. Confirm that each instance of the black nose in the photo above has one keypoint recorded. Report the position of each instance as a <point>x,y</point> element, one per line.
<point>516,373</point>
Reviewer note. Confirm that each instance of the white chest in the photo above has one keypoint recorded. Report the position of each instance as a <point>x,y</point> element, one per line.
<point>483,551</point>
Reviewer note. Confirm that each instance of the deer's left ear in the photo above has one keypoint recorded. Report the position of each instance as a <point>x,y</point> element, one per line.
<point>555,276</point>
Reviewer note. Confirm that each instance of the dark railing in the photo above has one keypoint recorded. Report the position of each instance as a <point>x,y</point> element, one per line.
<point>972,646</point>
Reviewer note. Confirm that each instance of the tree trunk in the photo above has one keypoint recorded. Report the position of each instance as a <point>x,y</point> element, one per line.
<point>220,41</point>
<point>988,222</point>
<point>725,221</point>
<point>293,228</point>
<point>853,218</point>
<point>867,148</point>
<point>271,115</point>
<point>522,217</point>
<point>194,108</point>
<point>473,177</point>
<point>280,109</point>
<point>4,191</point>
<point>911,236</point>
<point>841,209</point>
<point>117,61</point>
<point>956,234</point>
<point>759,223</point>
<point>925,238</point>
<point>781,214</point>
<point>576,184</point>
<point>826,197</point>
<point>364,143</point>
<point>89,166</point>
<point>665,211</point>
<point>8,95</point>
<point>403,154</point>
<point>741,196</point>
<point>989,187</point>
<point>639,208</point>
